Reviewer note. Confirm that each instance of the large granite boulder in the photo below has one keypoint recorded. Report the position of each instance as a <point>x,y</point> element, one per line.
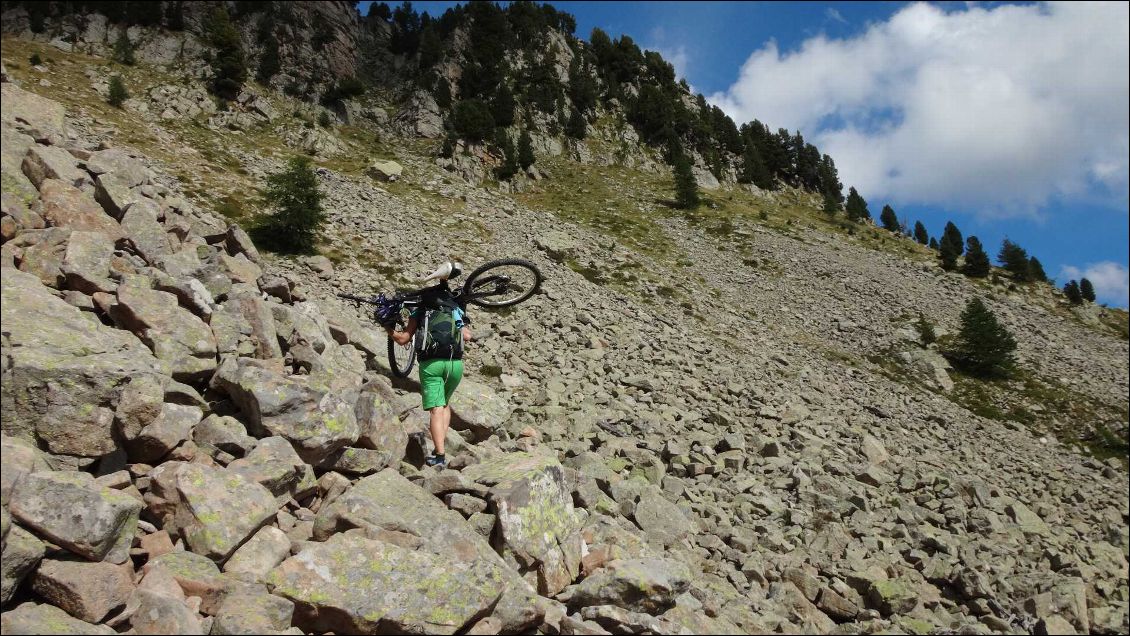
<point>174,334</point>
<point>314,419</point>
<point>70,510</point>
<point>66,370</point>
<point>351,584</point>
<point>214,509</point>
<point>538,528</point>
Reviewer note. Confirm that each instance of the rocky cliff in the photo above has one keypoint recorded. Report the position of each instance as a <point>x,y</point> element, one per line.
<point>717,422</point>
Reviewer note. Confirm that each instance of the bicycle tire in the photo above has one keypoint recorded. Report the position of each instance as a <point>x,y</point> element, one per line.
<point>401,369</point>
<point>469,285</point>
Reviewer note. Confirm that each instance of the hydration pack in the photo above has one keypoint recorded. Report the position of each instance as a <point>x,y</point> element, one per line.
<point>442,332</point>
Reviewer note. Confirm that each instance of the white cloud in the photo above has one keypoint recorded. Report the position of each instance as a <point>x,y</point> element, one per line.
<point>996,109</point>
<point>832,14</point>
<point>1111,280</point>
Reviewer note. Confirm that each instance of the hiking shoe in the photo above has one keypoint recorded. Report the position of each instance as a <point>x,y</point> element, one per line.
<point>436,461</point>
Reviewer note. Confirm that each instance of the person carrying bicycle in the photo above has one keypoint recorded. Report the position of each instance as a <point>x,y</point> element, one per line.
<point>443,325</point>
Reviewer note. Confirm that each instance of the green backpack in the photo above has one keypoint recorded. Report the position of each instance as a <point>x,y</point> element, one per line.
<point>442,334</point>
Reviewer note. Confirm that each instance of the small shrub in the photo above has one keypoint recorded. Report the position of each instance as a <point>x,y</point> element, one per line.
<point>763,215</point>
<point>926,334</point>
<point>118,92</point>
<point>35,60</point>
<point>324,119</point>
<point>123,50</point>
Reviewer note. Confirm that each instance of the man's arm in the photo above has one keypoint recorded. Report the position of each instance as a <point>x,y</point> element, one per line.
<point>403,337</point>
<point>466,334</point>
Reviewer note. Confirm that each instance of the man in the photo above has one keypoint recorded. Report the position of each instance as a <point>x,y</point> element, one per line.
<point>441,367</point>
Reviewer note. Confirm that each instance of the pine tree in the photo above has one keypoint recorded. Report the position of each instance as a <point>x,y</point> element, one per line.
<point>174,16</point>
<point>472,120</point>
<point>920,233</point>
<point>431,47</point>
<point>934,244</point>
<point>443,93</point>
<point>950,247</point>
<point>926,334</point>
<point>1087,290</point>
<point>686,188</point>
<point>502,107</point>
<point>509,166</point>
<point>1074,292</point>
<point>889,220</point>
<point>1014,259</point>
<point>1036,271</point>
<point>526,156</point>
<point>229,66</point>
<point>856,207</point>
<point>298,216</point>
<point>983,347</point>
<point>118,92</point>
<point>976,260</point>
<point>754,170</point>
<point>269,62</point>
<point>124,50</point>
<point>576,127</point>
<point>831,206</point>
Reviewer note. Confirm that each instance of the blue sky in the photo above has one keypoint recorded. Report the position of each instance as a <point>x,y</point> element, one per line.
<point>1010,119</point>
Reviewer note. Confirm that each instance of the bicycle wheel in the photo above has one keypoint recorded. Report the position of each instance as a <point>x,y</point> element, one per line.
<point>502,283</point>
<point>401,357</point>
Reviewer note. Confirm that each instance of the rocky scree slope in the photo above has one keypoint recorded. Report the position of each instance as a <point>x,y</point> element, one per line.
<point>228,431</point>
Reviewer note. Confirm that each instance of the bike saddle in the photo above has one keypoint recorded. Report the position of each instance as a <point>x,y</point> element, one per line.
<point>450,269</point>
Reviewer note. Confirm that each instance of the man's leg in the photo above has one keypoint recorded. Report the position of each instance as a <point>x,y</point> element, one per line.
<point>438,427</point>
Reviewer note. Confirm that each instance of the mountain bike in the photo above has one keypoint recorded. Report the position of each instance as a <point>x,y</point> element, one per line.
<point>499,283</point>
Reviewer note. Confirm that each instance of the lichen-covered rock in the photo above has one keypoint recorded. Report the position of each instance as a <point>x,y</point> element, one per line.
<point>174,334</point>
<point>662,520</point>
<point>22,552</point>
<point>537,522</point>
<point>38,116</point>
<point>260,554</point>
<point>87,591</point>
<point>274,464</point>
<point>72,511</point>
<point>144,231</point>
<point>639,585</point>
<point>479,409</point>
<point>33,618</point>
<point>51,162</point>
<point>311,417</point>
<point>64,205</point>
<point>21,457</point>
<point>253,611</point>
<point>215,510</point>
<point>224,433</point>
<point>351,584</point>
<point>193,574</point>
<point>389,501</point>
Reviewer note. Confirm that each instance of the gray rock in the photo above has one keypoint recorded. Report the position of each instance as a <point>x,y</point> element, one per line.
<point>314,419</point>
<point>639,585</point>
<point>260,554</point>
<point>534,507</point>
<point>33,618</point>
<point>213,509</point>
<point>87,591</point>
<point>69,509</point>
<point>22,552</point>
<point>351,584</point>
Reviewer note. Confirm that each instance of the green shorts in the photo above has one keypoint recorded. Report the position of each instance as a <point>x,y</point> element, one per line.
<point>438,379</point>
